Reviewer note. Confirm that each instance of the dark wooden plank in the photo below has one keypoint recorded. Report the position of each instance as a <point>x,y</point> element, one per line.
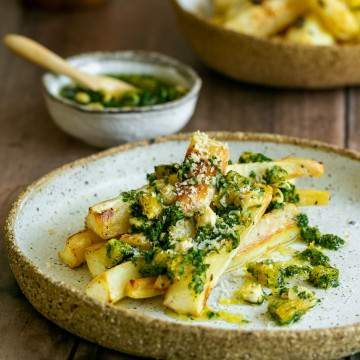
<point>88,351</point>
<point>24,333</point>
<point>227,105</point>
<point>85,350</point>
<point>353,357</point>
<point>353,119</point>
<point>30,145</point>
<point>107,354</point>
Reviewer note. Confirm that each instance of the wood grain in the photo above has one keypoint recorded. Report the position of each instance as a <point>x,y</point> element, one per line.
<point>31,145</point>
<point>224,105</point>
<point>353,119</point>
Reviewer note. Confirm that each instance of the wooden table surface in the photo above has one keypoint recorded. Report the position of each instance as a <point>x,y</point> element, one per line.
<point>31,145</point>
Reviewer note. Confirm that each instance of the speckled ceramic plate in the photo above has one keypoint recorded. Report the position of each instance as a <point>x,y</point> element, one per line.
<point>55,206</point>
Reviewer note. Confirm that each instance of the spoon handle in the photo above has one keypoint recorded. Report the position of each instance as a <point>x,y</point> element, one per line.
<point>40,55</point>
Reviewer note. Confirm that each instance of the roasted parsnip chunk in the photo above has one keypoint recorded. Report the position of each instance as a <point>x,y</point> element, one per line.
<point>110,286</point>
<point>307,22</point>
<point>101,257</point>
<point>267,17</point>
<point>311,197</point>
<point>143,288</point>
<point>309,31</point>
<point>206,155</point>
<point>150,204</point>
<point>276,228</point>
<point>96,259</point>
<point>109,218</point>
<point>136,240</point>
<point>292,168</point>
<point>194,197</point>
<point>73,254</point>
<point>337,18</point>
<point>224,7</point>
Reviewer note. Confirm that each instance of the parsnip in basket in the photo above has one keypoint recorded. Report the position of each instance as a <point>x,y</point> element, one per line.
<point>308,22</point>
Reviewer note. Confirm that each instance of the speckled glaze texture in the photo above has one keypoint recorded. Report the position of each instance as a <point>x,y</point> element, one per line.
<point>262,61</point>
<point>54,206</point>
<point>111,127</point>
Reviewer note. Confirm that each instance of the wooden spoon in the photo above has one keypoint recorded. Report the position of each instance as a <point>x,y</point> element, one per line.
<point>38,54</point>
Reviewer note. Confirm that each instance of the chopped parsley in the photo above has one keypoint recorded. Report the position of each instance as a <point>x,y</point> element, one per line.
<point>164,171</point>
<point>302,220</point>
<point>266,273</point>
<point>149,91</point>
<point>277,274</point>
<point>156,230</point>
<point>324,277</point>
<point>314,256</point>
<point>211,315</point>
<point>311,234</point>
<point>196,259</point>
<point>274,205</point>
<point>330,241</point>
<point>172,215</point>
<point>151,178</point>
<point>296,271</point>
<point>129,195</point>
<point>208,237</point>
<point>185,169</point>
<point>288,305</point>
<point>250,157</point>
<point>275,174</point>
<point>117,251</point>
<point>149,270</point>
<point>289,192</point>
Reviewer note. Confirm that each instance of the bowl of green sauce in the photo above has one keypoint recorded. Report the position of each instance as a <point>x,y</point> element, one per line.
<point>163,102</point>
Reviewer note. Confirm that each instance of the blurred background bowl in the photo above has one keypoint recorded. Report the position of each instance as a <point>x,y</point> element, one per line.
<point>263,61</point>
<point>111,126</point>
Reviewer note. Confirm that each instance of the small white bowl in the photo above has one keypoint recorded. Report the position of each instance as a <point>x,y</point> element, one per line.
<point>109,127</point>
